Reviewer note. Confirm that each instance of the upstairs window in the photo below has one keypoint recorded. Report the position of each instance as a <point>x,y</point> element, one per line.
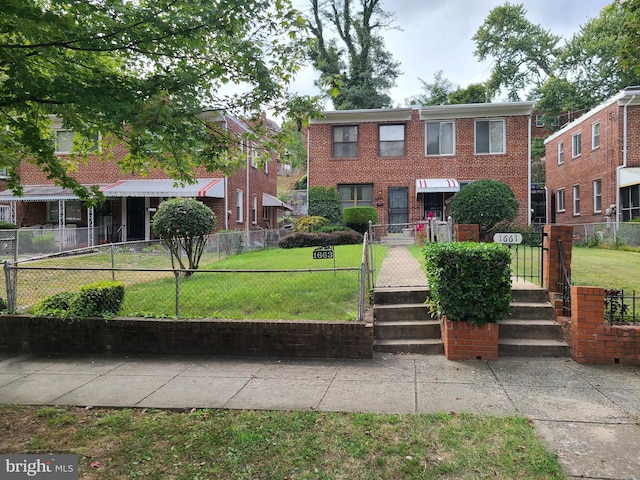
<point>595,136</point>
<point>539,120</point>
<point>490,136</point>
<point>560,205</point>
<point>440,138</point>
<point>391,140</point>
<point>64,140</point>
<point>345,141</point>
<point>576,145</point>
<point>560,153</point>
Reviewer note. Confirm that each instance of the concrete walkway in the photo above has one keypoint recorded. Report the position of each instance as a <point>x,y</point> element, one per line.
<point>584,413</point>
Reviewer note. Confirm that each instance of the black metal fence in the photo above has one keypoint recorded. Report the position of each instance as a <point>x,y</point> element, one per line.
<point>621,308</point>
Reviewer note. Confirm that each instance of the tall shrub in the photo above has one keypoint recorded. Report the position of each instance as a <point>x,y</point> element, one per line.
<point>324,202</point>
<point>469,281</point>
<point>485,202</point>
<point>358,218</point>
<point>182,224</point>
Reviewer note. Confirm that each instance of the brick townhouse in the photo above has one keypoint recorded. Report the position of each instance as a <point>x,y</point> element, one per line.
<point>245,200</point>
<point>409,162</point>
<point>593,164</point>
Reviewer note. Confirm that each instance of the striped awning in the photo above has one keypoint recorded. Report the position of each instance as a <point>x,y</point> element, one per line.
<point>204,187</point>
<point>434,185</point>
<point>38,193</point>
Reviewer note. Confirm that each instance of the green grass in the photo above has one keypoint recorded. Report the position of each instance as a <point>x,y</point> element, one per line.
<point>610,269</point>
<point>204,444</point>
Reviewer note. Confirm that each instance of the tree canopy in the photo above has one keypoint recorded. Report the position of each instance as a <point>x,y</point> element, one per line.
<point>348,50</point>
<point>442,91</point>
<point>140,74</point>
<point>575,75</point>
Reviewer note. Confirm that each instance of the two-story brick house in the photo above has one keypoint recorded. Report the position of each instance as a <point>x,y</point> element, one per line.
<point>244,200</point>
<point>593,164</point>
<point>409,162</point>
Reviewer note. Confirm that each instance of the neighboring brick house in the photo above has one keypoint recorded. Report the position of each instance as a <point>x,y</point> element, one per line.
<point>409,162</point>
<point>593,164</point>
<point>245,200</point>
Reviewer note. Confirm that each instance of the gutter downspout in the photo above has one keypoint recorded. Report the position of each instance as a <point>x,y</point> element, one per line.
<point>309,161</point>
<point>624,157</point>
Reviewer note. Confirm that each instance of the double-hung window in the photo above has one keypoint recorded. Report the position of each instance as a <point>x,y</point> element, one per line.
<point>490,136</point>
<point>560,205</point>
<point>239,204</point>
<point>391,140</point>
<point>576,199</point>
<point>560,153</point>
<point>72,211</point>
<point>597,196</point>
<point>576,145</point>
<point>64,142</point>
<point>355,195</point>
<point>595,136</point>
<point>345,141</point>
<point>254,209</point>
<point>440,138</point>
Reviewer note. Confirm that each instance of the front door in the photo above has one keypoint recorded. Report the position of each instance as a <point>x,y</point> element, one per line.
<point>135,218</point>
<point>398,208</point>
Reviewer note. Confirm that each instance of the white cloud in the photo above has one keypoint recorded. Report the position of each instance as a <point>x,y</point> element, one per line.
<point>437,35</point>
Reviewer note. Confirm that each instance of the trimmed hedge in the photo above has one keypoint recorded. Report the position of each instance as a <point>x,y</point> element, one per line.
<point>469,281</point>
<point>358,217</point>
<point>304,239</point>
<point>99,299</point>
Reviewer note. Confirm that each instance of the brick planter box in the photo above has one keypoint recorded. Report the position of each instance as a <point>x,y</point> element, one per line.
<point>465,341</point>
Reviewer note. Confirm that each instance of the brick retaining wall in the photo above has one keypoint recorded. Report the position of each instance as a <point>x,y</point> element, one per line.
<point>22,334</point>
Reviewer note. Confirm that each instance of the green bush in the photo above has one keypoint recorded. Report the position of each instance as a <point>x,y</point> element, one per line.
<point>530,236</point>
<point>7,226</point>
<point>100,299</point>
<point>324,202</point>
<point>305,239</point>
<point>358,218</point>
<point>469,281</point>
<point>310,224</point>
<point>43,243</point>
<point>485,202</point>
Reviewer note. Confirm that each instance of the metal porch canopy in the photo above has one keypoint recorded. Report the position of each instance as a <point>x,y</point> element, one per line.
<point>271,201</point>
<point>204,187</point>
<point>436,185</point>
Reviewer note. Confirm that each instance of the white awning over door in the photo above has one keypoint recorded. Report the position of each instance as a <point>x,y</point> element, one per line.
<point>435,185</point>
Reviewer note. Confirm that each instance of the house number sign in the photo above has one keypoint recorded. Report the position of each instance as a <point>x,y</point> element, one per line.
<point>323,253</point>
<point>508,238</point>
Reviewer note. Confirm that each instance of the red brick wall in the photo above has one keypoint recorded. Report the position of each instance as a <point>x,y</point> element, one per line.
<point>384,172</point>
<point>186,337</point>
<point>464,341</point>
<point>466,233</point>
<point>593,164</point>
<point>590,339</point>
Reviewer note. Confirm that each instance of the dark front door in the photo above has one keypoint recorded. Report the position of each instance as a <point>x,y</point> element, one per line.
<point>135,218</point>
<point>434,205</point>
<point>398,208</point>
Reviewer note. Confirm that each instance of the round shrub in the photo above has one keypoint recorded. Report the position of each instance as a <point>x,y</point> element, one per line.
<point>310,224</point>
<point>485,202</point>
<point>358,218</point>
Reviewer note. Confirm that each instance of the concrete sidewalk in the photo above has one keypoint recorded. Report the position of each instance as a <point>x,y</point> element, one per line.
<point>584,413</point>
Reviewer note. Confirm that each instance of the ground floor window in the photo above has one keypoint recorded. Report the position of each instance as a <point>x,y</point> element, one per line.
<point>72,211</point>
<point>630,202</point>
<point>355,195</point>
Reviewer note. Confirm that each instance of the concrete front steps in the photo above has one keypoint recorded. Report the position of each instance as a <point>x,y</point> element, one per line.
<point>531,330</point>
<point>402,324</point>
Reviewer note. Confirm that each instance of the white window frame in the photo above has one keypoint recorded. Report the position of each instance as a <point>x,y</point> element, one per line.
<point>597,195</point>
<point>576,144</point>
<point>349,144</point>
<point>576,200</point>
<point>492,124</point>
<point>390,134</point>
<point>440,126</point>
<point>239,206</point>
<point>254,209</point>
<point>539,122</point>
<point>560,153</point>
<point>56,141</point>
<point>560,200</point>
<point>72,211</point>
<point>595,136</point>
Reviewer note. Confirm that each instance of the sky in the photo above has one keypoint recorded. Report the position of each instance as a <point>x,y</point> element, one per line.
<point>437,35</point>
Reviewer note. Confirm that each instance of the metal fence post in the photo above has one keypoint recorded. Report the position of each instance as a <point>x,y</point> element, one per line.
<point>11,281</point>
<point>177,275</point>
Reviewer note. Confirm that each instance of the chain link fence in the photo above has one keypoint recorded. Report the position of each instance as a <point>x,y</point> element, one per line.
<point>155,289</point>
<point>596,234</point>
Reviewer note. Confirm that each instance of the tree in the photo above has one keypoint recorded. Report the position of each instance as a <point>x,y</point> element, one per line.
<point>355,68</point>
<point>563,78</point>
<point>629,46</point>
<point>182,224</point>
<point>474,93</point>
<point>141,74</point>
<point>436,93</point>
<point>523,53</point>
<point>485,202</point>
